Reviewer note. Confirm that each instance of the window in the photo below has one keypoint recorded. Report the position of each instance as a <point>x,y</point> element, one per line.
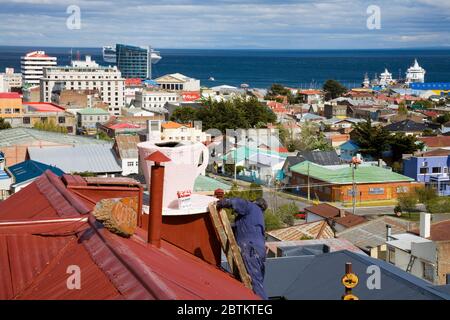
<point>130,163</point>
<point>428,271</point>
<point>425,164</point>
<point>436,170</point>
<point>8,111</point>
<point>423,170</point>
<point>376,190</point>
<point>16,110</point>
<point>350,192</point>
<point>402,189</point>
<point>391,255</point>
<point>61,120</point>
<point>26,120</point>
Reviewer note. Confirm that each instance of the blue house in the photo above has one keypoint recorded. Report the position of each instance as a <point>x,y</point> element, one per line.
<point>26,172</point>
<point>431,168</point>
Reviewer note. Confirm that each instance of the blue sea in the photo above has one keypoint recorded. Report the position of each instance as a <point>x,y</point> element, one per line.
<point>261,68</point>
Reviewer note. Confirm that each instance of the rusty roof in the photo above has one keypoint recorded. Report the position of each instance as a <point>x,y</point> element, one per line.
<point>127,146</point>
<point>311,230</point>
<point>44,229</point>
<point>439,231</point>
<point>328,211</point>
<point>437,141</point>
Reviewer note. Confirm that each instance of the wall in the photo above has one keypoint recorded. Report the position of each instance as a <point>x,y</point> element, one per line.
<point>412,167</point>
<point>341,192</point>
<point>127,169</point>
<point>15,106</point>
<point>443,263</point>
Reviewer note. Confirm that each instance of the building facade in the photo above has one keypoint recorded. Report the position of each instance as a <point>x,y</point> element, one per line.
<point>10,105</point>
<point>178,82</point>
<point>88,118</point>
<point>86,75</point>
<point>133,61</point>
<point>33,64</point>
<point>149,99</point>
<point>13,80</point>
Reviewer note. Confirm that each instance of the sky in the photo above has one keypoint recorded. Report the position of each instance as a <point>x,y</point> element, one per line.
<point>227,24</point>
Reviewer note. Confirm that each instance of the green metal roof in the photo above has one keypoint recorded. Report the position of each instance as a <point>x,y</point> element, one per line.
<point>92,111</point>
<point>243,153</point>
<point>343,174</point>
<point>203,183</point>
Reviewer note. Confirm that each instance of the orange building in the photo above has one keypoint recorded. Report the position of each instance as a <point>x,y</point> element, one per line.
<point>335,183</point>
<point>10,105</point>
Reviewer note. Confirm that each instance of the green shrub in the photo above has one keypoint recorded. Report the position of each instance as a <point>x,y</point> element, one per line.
<point>438,205</point>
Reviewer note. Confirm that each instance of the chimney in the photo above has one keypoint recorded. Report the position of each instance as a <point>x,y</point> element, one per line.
<point>341,213</point>
<point>425,224</point>
<point>156,198</point>
<point>388,232</point>
<point>380,163</point>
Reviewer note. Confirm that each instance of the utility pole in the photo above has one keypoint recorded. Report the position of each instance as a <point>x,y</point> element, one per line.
<point>309,187</point>
<point>354,164</point>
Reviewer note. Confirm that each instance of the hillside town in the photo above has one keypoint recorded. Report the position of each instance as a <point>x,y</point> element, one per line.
<point>350,175</point>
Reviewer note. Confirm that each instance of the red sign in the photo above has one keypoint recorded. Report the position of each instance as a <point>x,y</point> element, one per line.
<point>190,95</point>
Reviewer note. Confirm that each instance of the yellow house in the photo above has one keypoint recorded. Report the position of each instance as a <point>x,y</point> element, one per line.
<point>10,105</point>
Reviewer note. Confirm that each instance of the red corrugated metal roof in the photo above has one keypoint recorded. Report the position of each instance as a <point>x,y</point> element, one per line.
<point>9,95</point>
<point>44,107</point>
<point>34,255</point>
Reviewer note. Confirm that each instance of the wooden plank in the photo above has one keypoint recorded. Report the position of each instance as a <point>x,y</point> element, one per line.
<point>229,245</point>
<point>223,238</point>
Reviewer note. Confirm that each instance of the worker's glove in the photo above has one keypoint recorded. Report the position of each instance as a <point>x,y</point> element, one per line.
<point>221,204</point>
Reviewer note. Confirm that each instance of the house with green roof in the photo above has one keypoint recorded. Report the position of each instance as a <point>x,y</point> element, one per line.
<point>88,118</point>
<point>335,183</point>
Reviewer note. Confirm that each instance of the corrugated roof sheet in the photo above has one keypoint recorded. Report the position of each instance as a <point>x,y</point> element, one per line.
<point>17,136</point>
<point>439,231</point>
<point>83,158</point>
<point>313,230</point>
<point>319,278</point>
<point>34,256</point>
<point>373,233</point>
<point>343,174</point>
<point>127,146</point>
<point>30,169</point>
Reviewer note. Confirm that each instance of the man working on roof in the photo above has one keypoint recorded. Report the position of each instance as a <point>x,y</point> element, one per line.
<point>249,230</point>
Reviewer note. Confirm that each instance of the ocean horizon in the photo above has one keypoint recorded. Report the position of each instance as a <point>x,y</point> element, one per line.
<point>303,68</point>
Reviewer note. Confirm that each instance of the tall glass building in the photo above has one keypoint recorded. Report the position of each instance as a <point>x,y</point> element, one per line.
<point>134,62</point>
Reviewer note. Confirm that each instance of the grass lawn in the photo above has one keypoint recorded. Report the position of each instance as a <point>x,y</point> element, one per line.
<point>413,216</point>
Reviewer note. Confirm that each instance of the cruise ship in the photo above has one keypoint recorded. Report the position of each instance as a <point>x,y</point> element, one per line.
<point>109,55</point>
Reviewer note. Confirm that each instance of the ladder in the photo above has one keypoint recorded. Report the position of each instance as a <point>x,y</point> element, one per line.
<point>229,245</point>
<point>410,263</point>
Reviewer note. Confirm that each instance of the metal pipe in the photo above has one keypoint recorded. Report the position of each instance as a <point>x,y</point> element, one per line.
<point>156,200</point>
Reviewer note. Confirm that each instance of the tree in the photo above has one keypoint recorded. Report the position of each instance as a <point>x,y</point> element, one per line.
<point>310,139</point>
<point>4,124</point>
<point>184,115</point>
<point>238,113</point>
<point>443,118</point>
<point>333,89</point>
<point>372,140</point>
<point>402,109</point>
<point>407,201</point>
<point>404,144</point>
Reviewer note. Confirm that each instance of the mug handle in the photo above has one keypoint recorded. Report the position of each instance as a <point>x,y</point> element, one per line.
<point>205,163</point>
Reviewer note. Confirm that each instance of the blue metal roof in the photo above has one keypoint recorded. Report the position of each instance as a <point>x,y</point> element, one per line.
<point>319,277</point>
<point>430,86</point>
<point>30,169</point>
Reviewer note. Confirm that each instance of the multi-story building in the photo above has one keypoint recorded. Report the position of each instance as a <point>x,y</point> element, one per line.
<point>33,64</point>
<point>10,105</point>
<point>88,118</point>
<point>424,253</point>
<point>85,75</point>
<point>152,100</point>
<point>133,61</point>
<point>35,114</point>
<point>178,82</point>
<point>430,167</point>
<point>11,79</point>
<point>173,131</point>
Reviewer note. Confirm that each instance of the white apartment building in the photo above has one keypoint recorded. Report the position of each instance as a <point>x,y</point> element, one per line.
<point>86,75</point>
<point>33,64</point>
<point>13,80</point>
<point>152,100</point>
<point>4,86</point>
<point>178,82</point>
